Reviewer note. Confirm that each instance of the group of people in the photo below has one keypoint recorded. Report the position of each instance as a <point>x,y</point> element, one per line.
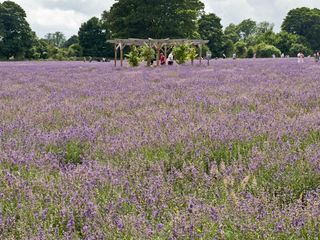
<point>164,60</point>
<point>90,59</point>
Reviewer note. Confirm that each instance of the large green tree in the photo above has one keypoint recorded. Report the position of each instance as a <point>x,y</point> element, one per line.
<point>57,39</point>
<point>16,35</point>
<point>285,40</point>
<point>264,27</point>
<point>247,28</point>
<point>304,22</point>
<point>93,37</point>
<point>74,39</point>
<point>231,33</point>
<point>210,28</point>
<point>268,37</point>
<point>154,18</point>
<point>38,50</point>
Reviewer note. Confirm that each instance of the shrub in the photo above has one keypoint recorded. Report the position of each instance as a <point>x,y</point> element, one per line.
<point>266,51</point>
<point>133,57</point>
<point>205,49</point>
<point>228,48</point>
<point>147,53</point>
<point>61,55</point>
<point>192,54</point>
<point>75,50</point>
<point>181,53</point>
<point>241,49</point>
<point>52,51</point>
<point>32,53</point>
<point>297,47</point>
<point>250,52</point>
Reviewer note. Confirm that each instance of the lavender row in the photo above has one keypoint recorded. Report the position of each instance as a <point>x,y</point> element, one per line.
<point>230,151</point>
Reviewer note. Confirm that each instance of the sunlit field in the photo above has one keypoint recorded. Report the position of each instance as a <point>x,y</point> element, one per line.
<point>226,151</point>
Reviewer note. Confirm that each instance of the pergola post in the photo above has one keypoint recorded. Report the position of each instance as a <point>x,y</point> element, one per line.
<point>165,51</point>
<point>158,47</point>
<point>121,55</point>
<point>200,55</point>
<point>158,56</point>
<point>115,54</point>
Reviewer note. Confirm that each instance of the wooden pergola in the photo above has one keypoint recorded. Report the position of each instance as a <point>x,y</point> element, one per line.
<point>157,44</point>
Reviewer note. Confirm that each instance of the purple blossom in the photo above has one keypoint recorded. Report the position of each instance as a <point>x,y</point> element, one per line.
<point>70,223</point>
<point>118,222</point>
<point>298,222</point>
<point>214,214</point>
<point>181,151</point>
<point>159,226</point>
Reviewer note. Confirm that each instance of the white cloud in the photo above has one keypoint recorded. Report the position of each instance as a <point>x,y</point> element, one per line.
<point>51,20</point>
<point>230,11</point>
<point>66,16</point>
<point>274,11</point>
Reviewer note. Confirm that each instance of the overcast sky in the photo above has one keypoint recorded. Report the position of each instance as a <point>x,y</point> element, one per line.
<point>66,16</point>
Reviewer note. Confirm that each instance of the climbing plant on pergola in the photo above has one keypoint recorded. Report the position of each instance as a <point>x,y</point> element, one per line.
<point>157,44</point>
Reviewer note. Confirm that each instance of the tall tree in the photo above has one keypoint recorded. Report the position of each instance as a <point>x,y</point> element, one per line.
<point>247,28</point>
<point>74,39</point>
<point>264,27</point>
<point>210,28</point>
<point>57,39</point>
<point>268,37</point>
<point>17,37</point>
<point>231,33</point>
<point>93,37</point>
<point>38,50</point>
<point>154,18</point>
<point>304,22</point>
<point>285,40</point>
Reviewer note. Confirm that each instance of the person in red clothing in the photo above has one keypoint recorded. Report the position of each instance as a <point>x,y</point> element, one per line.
<point>162,59</point>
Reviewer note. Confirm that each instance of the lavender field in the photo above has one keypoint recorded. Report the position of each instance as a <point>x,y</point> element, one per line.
<point>229,151</point>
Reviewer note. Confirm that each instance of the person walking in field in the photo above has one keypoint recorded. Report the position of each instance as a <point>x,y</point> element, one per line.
<point>170,59</point>
<point>317,56</point>
<point>300,57</point>
<point>162,59</point>
<point>234,56</point>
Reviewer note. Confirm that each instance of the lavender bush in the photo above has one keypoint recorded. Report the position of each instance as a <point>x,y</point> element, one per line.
<point>230,151</point>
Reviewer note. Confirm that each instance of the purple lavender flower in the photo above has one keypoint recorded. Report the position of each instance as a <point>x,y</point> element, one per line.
<point>214,214</point>
<point>70,224</point>
<point>298,223</point>
<point>118,222</point>
<point>159,226</point>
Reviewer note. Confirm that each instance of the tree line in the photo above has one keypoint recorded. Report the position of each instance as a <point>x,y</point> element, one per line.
<point>300,31</point>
